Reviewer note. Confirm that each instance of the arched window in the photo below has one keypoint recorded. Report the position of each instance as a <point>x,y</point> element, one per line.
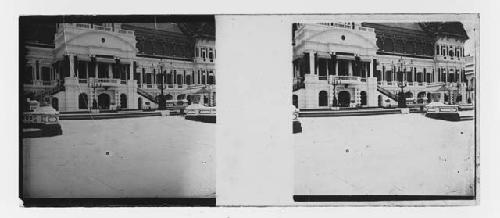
<point>323,98</point>
<point>181,97</point>
<point>408,94</point>
<point>83,101</point>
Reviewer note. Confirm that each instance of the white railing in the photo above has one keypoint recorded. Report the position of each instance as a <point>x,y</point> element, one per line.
<point>95,27</point>
<point>102,81</point>
<point>355,78</point>
<point>349,26</point>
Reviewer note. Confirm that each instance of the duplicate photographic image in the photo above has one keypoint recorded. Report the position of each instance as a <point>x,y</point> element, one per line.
<point>118,107</point>
<point>384,110</point>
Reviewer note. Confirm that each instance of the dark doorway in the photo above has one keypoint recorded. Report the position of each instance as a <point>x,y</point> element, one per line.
<point>103,101</point>
<point>323,98</point>
<point>363,98</point>
<point>139,103</point>
<point>83,101</point>
<point>380,101</point>
<point>344,98</point>
<point>123,101</point>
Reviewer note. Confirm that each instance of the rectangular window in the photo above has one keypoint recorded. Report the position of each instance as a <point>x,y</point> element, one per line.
<point>203,53</point>
<point>211,55</point>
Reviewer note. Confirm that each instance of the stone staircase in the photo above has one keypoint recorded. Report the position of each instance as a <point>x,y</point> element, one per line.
<point>146,95</point>
<point>387,93</point>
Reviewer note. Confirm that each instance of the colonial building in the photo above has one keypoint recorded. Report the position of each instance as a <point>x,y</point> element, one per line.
<point>366,65</point>
<point>78,66</point>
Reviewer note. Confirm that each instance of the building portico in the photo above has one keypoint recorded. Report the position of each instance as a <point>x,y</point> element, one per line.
<point>332,59</point>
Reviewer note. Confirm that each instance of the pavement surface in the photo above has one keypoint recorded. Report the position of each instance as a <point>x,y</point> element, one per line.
<point>140,157</point>
<point>396,154</point>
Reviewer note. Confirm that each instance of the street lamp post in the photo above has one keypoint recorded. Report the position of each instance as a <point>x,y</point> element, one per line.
<point>401,96</point>
<point>335,82</point>
<point>402,84</point>
<point>162,104</point>
<point>94,84</point>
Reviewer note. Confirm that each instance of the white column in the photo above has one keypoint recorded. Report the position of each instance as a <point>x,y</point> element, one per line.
<point>349,68</point>
<point>131,70</point>
<point>337,67</point>
<point>72,72</point>
<point>311,63</point>
<point>371,67</point>
<point>110,71</point>
<point>96,67</point>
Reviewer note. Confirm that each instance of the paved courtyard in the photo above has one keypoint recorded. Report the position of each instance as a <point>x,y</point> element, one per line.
<point>397,154</point>
<point>135,157</point>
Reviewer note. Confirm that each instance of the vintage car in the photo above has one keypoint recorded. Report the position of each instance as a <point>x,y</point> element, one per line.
<point>199,112</point>
<point>297,126</point>
<point>439,110</point>
<point>40,121</point>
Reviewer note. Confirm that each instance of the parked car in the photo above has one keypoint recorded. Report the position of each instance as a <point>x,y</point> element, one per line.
<point>439,110</point>
<point>41,121</point>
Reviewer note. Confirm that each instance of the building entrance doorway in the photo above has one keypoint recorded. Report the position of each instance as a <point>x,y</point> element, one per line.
<point>344,98</point>
<point>323,98</point>
<point>363,98</point>
<point>103,101</point>
<point>139,103</point>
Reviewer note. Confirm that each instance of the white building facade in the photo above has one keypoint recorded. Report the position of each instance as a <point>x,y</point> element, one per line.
<point>105,66</point>
<point>365,65</point>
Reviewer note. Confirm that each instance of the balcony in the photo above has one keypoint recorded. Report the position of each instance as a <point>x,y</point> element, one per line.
<point>349,26</point>
<point>103,82</point>
<point>68,26</point>
<point>346,79</point>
